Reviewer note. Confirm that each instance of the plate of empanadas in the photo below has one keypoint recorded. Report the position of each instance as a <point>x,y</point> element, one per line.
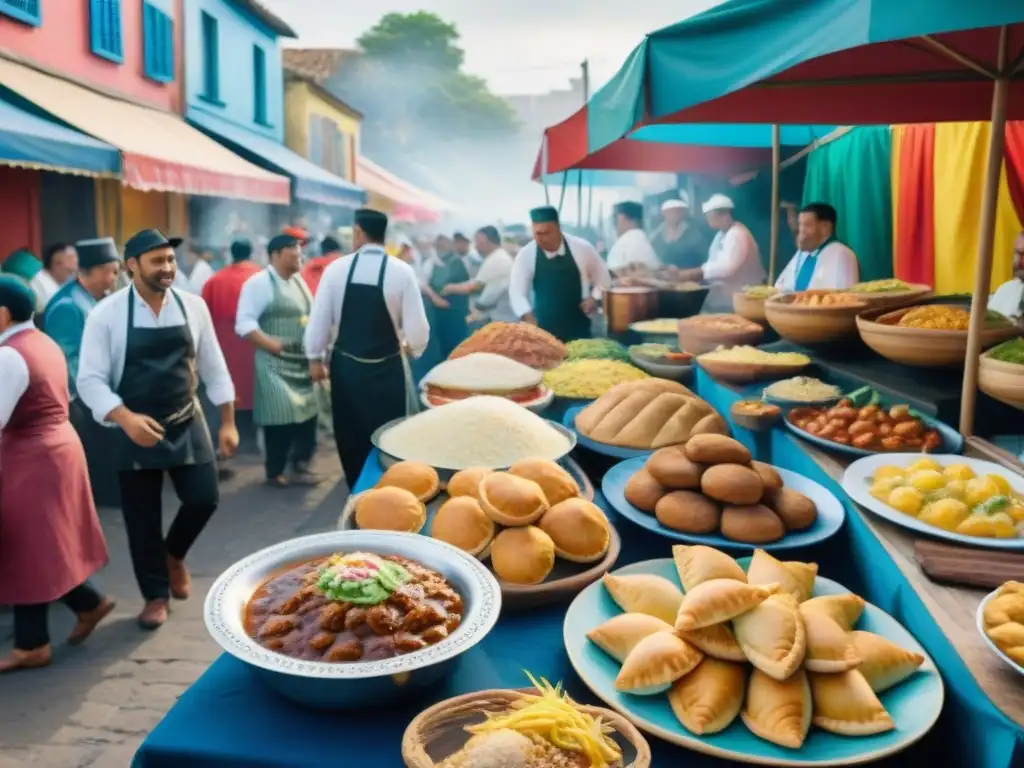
<point>536,525</point>
<point>754,660</point>
<point>1001,623</point>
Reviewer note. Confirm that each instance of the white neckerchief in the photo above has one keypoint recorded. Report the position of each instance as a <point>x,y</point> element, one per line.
<point>16,329</point>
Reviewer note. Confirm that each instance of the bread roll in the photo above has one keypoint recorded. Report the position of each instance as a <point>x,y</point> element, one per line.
<point>462,523</point>
<point>579,530</point>
<point>512,500</point>
<point>751,524</point>
<point>557,484</point>
<point>466,482</point>
<point>687,511</point>
<point>716,449</point>
<point>522,555</point>
<point>769,476</point>
<point>671,468</point>
<point>732,484</point>
<point>390,509</point>
<point>796,510</point>
<point>643,491</point>
<point>419,479</point>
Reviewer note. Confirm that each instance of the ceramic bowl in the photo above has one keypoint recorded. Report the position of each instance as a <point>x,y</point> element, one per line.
<point>809,325</point>
<point>1002,381</point>
<point>745,373</point>
<point>697,337</point>
<point>750,307</point>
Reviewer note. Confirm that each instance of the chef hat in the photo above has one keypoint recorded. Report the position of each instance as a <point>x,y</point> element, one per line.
<point>17,297</point>
<point>718,202</point>
<point>93,253</point>
<point>544,215</point>
<point>21,263</point>
<point>676,203</point>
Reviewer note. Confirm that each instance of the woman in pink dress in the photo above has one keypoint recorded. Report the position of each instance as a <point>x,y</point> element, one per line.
<point>50,537</point>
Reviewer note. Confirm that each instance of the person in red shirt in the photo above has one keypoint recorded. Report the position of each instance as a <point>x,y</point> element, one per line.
<point>313,269</point>
<point>221,294</point>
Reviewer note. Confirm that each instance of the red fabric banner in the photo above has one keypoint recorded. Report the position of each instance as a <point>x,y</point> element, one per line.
<point>915,239</point>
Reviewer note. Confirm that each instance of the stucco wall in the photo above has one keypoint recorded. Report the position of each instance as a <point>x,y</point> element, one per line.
<point>301,102</point>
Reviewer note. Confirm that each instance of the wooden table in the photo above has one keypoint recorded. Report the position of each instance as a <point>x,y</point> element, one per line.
<point>954,608</point>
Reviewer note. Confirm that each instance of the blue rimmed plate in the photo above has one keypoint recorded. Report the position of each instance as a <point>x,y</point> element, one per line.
<point>914,705</point>
<point>831,512</point>
<point>615,451</point>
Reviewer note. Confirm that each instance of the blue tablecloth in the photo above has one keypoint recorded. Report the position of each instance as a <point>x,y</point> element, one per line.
<point>227,718</point>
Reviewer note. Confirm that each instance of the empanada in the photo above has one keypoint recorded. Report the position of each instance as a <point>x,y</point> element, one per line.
<point>829,646</point>
<point>718,600</point>
<point>655,663</point>
<point>620,634</point>
<point>645,593</point>
<point>698,564</point>
<point>882,662</point>
<point>794,577</point>
<point>1006,607</point>
<point>845,704</point>
<point>779,712</point>
<point>772,636</point>
<point>845,609</point>
<point>708,699</point>
<point>717,640</point>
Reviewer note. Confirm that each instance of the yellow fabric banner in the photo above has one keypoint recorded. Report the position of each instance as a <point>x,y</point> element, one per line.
<point>961,151</point>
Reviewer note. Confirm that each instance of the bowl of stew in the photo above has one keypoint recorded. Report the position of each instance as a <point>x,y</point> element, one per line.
<point>352,618</point>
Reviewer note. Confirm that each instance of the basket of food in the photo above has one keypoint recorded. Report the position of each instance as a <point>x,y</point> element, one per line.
<point>815,317</point>
<point>928,335</point>
<point>890,292</point>
<point>749,303</point>
<point>742,365</point>
<point>537,728</point>
<point>705,333</point>
<point>1001,373</point>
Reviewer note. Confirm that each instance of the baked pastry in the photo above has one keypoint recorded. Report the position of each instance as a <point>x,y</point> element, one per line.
<point>644,593</point>
<point>697,564</point>
<point>829,646</point>
<point>751,524</point>
<point>882,662</point>
<point>772,636</point>
<point>466,482</point>
<point>844,609</point>
<point>643,491</point>
<point>732,484</point>
<point>794,577</point>
<point>650,416</point>
<point>717,641</point>
<point>708,699</point>
<point>511,500</point>
<point>670,467</point>
<point>1008,638</point>
<point>687,511</point>
<point>419,479</point>
<point>655,663</point>
<point>620,634</point>
<point>717,449</point>
<point>390,509</point>
<point>718,600</point>
<point>845,704</point>
<point>462,523</point>
<point>779,711</point>
<point>557,484</point>
<point>769,476</point>
<point>579,530</point>
<point>796,510</point>
<point>522,555</point>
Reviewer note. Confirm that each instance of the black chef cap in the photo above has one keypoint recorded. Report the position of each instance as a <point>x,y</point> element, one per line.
<point>241,250</point>
<point>17,297</point>
<point>94,253</point>
<point>373,223</point>
<point>544,215</point>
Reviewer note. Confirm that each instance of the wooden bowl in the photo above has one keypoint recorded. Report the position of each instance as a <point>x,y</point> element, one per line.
<point>745,373</point>
<point>809,325</point>
<point>922,347</point>
<point>750,307</point>
<point>744,414</point>
<point>1002,381</point>
<point>696,337</point>
<point>893,299</point>
<point>437,733</point>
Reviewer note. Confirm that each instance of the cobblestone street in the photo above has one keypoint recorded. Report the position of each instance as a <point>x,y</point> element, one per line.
<point>95,703</point>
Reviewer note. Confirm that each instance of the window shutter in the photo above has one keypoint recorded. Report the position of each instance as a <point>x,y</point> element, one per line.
<point>316,140</point>
<point>158,43</point>
<point>105,28</point>
<point>25,11</point>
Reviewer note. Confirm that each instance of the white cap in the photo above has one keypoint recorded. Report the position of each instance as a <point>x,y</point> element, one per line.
<point>718,203</point>
<point>671,205</point>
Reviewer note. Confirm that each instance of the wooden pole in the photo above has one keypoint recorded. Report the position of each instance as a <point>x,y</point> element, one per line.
<point>561,197</point>
<point>776,161</point>
<point>585,71</point>
<point>983,268</point>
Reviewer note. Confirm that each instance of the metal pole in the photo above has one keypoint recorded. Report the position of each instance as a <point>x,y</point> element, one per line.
<point>585,68</point>
<point>776,160</point>
<point>544,168</point>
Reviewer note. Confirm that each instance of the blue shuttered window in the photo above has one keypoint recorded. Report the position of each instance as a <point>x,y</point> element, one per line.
<point>211,59</point>
<point>158,43</point>
<point>26,11</point>
<point>259,85</point>
<point>105,28</point>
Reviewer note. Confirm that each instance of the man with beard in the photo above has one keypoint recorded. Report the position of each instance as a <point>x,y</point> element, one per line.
<point>144,350</point>
<point>273,311</point>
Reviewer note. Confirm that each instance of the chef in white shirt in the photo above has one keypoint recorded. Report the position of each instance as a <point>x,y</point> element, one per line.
<point>822,262</point>
<point>1008,300</point>
<point>371,305</point>
<point>734,260</point>
<point>633,248</point>
<point>490,285</point>
<point>141,350</point>
<point>201,270</point>
<point>565,275</point>
<point>60,262</point>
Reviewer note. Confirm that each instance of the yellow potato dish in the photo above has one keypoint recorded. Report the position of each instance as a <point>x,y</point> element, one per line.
<point>953,498</point>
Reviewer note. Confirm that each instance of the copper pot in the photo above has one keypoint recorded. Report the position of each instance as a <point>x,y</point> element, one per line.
<point>625,305</point>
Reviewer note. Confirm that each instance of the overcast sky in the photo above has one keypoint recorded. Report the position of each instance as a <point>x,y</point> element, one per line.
<point>519,46</point>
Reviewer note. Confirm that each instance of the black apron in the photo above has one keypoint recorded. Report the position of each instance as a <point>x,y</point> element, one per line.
<point>160,381</point>
<point>368,371</point>
<point>558,292</point>
<point>688,251</point>
<point>450,324</point>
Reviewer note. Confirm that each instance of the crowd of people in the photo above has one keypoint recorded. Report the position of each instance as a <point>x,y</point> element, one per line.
<point>298,342</point>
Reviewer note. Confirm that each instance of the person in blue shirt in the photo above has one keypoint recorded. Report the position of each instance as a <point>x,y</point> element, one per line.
<point>64,318</point>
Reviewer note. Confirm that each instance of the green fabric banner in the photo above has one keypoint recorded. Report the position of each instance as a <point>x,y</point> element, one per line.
<point>853,174</point>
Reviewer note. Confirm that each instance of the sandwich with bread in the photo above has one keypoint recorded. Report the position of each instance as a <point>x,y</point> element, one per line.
<point>483,373</point>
